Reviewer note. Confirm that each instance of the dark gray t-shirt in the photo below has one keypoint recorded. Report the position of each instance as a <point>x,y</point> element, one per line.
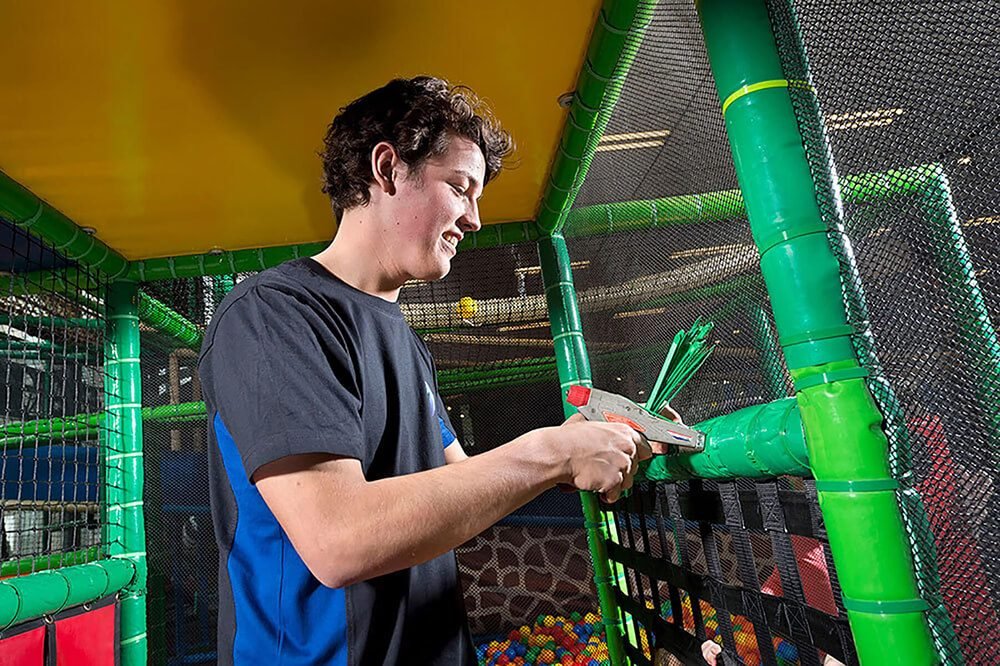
<point>296,361</point>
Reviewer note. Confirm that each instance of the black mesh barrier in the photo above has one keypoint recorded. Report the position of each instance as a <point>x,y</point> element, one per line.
<point>182,557</point>
<point>528,580</point>
<point>905,101</point>
<point>741,565</point>
<point>52,325</point>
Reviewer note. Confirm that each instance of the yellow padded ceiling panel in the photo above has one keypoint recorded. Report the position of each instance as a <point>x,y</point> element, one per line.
<point>173,127</point>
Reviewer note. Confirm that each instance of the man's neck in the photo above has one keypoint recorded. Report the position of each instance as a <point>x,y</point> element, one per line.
<point>360,262</point>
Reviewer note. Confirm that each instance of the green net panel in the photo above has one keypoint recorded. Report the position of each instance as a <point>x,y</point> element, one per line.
<point>910,91</point>
<point>52,392</point>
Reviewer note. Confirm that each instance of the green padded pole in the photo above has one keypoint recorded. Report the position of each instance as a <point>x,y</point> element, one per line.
<point>574,368</point>
<point>613,45</point>
<point>759,442</point>
<point>28,212</point>
<point>123,463</point>
<point>832,191</point>
<point>847,448</point>
<point>30,597</point>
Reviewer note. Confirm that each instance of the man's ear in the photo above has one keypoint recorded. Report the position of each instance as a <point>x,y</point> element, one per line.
<point>385,163</point>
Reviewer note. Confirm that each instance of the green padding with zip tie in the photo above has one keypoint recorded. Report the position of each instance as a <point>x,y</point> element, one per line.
<point>886,607</point>
<point>859,486</point>
<point>816,334</point>
<point>830,377</point>
<point>769,242</point>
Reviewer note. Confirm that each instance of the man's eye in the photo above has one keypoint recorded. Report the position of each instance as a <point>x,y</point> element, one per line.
<point>458,190</point>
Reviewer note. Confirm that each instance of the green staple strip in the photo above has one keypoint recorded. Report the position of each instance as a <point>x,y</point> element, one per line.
<point>830,377</point>
<point>885,607</point>
<point>763,85</point>
<point>859,486</point>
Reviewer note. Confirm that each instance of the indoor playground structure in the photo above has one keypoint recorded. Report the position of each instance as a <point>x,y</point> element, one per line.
<point>791,207</point>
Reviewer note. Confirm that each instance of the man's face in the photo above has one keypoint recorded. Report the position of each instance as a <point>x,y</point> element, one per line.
<point>433,208</point>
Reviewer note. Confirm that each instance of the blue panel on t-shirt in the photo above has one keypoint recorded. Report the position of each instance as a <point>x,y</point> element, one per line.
<point>447,436</point>
<point>284,615</point>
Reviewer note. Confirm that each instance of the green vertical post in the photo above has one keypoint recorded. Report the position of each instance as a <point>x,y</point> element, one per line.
<point>125,535</point>
<point>846,445</point>
<point>574,368</point>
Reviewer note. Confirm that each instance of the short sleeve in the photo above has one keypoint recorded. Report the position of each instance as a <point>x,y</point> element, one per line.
<point>448,436</point>
<point>280,376</point>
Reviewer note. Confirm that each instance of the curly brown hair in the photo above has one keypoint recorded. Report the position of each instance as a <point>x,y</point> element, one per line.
<point>417,116</point>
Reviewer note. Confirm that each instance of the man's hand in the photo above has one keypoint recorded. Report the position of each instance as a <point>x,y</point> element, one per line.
<point>600,457</point>
<point>671,414</point>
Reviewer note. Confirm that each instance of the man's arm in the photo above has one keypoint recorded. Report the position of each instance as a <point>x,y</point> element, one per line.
<point>347,529</point>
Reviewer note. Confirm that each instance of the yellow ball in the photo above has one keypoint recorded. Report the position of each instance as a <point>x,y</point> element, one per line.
<point>467,307</point>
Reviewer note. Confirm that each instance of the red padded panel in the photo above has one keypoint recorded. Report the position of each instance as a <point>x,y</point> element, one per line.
<point>87,639</point>
<point>24,649</point>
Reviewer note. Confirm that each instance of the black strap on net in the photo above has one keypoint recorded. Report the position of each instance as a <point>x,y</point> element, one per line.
<point>680,518</point>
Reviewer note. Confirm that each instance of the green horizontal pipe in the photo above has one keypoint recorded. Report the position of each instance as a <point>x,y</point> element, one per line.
<point>763,441</point>
<point>22,321</point>
<point>580,222</point>
<point>219,263</point>
<point>652,213</point>
<point>168,321</point>
<point>26,211</point>
<point>505,233</point>
<point>26,345</point>
<point>613,46</point>
<point>40,355</point>
<point>88,425</point>
<point>29,565</point>
<point>30,597</point>
<point>173,413</point>
<point>846,445</point>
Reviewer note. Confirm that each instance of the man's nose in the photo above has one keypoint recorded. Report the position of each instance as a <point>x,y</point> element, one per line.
<point>470,220</point>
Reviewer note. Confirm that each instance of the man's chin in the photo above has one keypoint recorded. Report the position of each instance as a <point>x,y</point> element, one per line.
<point>432,274</point>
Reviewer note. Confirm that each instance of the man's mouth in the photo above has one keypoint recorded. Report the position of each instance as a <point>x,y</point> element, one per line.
<point>452,240</point>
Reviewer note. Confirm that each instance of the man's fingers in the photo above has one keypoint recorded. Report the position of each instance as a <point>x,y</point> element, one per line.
<point>645,449</point>
<point>658,448</point>
<point>575,418</point>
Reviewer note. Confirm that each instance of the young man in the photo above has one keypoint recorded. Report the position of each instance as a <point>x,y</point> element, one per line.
<point>338,489</point>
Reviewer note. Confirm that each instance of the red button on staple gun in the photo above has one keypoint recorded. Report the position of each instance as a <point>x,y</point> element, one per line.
<point>597,405</point>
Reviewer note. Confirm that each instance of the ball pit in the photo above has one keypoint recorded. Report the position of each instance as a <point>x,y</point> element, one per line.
<point>553,639</point>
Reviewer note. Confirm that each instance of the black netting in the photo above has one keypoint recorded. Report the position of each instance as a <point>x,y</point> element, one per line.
<point>496,372</point>
<point>183,561</point>
<point>910,92</point>
<point>486,325</point>
<point>52,324</point>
